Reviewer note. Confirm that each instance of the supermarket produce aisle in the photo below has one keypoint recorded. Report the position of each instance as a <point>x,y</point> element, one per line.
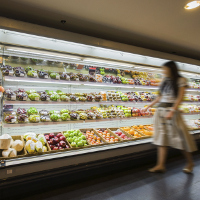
<point>132,184</point>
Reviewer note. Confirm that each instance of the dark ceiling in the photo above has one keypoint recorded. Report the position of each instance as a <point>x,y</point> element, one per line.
<point>159,25</point>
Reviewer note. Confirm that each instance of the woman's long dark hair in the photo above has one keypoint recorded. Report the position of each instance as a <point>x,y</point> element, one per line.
<point>174,76</point>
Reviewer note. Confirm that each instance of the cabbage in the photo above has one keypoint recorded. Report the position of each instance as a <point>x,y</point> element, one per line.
<point>30,146</point>
<point>9,153</point>
<point>38,146</point>
<point>42,139</point>
<point>5,136</point>
<point>17,145</point>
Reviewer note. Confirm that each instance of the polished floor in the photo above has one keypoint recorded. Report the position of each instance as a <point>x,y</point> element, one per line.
<point>133,184</point>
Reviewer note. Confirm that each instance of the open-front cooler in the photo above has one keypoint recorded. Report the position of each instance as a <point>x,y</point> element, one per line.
<point>71,104</point>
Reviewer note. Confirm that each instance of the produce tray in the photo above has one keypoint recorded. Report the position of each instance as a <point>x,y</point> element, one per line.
<point>97,134</point>
<point>88,145</point>
<point>124,132</point>
<point>127,134</point>
<point>20,154</point>
<point>59,150</point>
<point>111,133</point>
<point>143,135</point>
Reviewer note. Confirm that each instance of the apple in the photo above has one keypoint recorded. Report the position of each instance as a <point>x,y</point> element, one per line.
<point>59,135</point>
<point>47,137</point>
<point>67,147</point>
<point>80,144</point>
<point>60,148</point>
<point>80,134</point>
<point>51,135</point>
<point>55,148</point>
<point>62,138</point>
<point>66,135</point>
<point>62,143</point>
<point>75,138</point>
<point>84,142</point>
<point>123,135</point>
<point>70,140</point>
<point>119,133</point>
<point>49,142</point>
<point>57,139</point>
<point>83,137</point>
<point>52,141</point>
<point>71,135</point>
<point>73,144</point>
<point>52,146</point>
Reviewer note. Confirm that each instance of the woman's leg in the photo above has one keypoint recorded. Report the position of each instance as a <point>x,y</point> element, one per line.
<point>189,159</point>
<point>161,159</point>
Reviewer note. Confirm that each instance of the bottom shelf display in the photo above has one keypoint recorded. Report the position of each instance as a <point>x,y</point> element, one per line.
<point>32,144</point>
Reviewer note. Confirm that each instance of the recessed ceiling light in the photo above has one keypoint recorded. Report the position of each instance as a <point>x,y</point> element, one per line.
<point>192,4</point>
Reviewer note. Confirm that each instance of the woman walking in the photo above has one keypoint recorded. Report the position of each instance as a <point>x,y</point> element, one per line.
<point>170,129</point>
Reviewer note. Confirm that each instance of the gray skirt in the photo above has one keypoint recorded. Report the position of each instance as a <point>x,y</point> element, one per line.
<point>173,132</point>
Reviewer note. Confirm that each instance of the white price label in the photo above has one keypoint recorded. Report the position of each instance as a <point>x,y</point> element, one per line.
<point>11,73</point>
<point>57,77</point>
<point>36,98</point>
<point>24,98</point>
<point>34,75</point>
<point>26,119</point>
<point>48,98</point>
<point>37,119</point>
<point>94,117</point>
<point>21,74</point>
<point>13,113</point>
<point>44,113</point>
<point>77,79</point>
<point>13,120</point>
<point>46,76</point>
<point>13,97</point>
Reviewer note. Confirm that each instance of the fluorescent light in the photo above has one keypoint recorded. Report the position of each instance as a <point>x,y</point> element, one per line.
<point>192,5</point>
<point>98,61</point>
<point>55,55</point>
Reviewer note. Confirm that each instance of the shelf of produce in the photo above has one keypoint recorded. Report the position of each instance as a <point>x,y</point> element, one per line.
<point>53,81</point>
<point>32,164</point>
<point>70,103</point>
<point>5,125</point>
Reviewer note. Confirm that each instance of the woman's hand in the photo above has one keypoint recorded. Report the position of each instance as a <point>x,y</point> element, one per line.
<point>170,115</point>
<point>145,109</point>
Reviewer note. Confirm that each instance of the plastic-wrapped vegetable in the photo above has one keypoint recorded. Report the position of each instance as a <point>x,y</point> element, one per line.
<point>21,111</point>
<point>83,116</point>
<point>10,118</point>
<point>22,96</point>
<point>32,73</point>
<point>30,146</point>
<point>17,145</point>
<point>38,146</point>
<point>9,95</point>
<point>3,67</point>
<point>22,118</point>
<point>64,98</point>
<point>19,73</point>
<point>55,97</point>
<point>74,116</point>
<point>45,118</point>
<point>34,97</point>
<point>44,112</point>
<point>32,111</point>
<point>44,97</point>
<point>31,91</point>
<point>28,69</point>
<point>65,116</point>
<point>64,111</point>
<point>34,118</point>
<point>55,76</point>
<point>7,72</point>
<point>55,117</point>
<point>74,98</point>
<point>54,112</point>
<point>42,74</point>
<point>9,153</point>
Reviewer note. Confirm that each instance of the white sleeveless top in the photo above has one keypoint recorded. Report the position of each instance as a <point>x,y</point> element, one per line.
<point>167,95</point>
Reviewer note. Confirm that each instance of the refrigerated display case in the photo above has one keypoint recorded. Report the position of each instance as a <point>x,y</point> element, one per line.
<point>93,96</point>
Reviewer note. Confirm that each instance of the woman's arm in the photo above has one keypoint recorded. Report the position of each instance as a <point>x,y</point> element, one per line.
<point>153,103</point>
<point>178,101</point>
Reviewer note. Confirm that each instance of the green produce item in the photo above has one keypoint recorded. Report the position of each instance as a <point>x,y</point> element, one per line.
<point>34,118</point>
<point>64,111</point>
<point>55,97</point>
<point>28,69</point>
<point>32,73</point>
<point>38,146</point>
<point>42,139</point>
<point>50,92</point>
<point>44,149</point>
<point>64,98</point>
<point>55,117</point>
<point>32,111</point>
<point>34,96</point>
<point>55,75</point>
<point>73,144</point>
<point>66,134</point>
<point>65,116</point>
<point>31,91</point>
<point>54,112</point>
